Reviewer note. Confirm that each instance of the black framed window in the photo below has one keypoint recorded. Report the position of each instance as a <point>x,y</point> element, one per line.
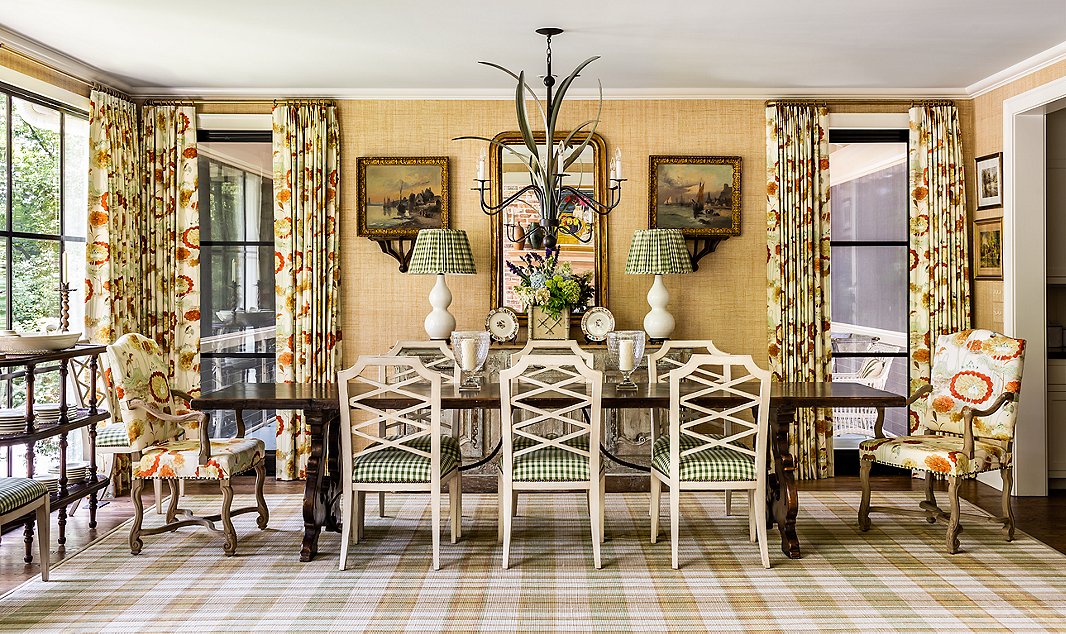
<point>869,198</point>
<point>237,269</point>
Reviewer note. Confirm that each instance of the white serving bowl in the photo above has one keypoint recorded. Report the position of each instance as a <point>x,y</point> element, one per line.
<point>28,342</point>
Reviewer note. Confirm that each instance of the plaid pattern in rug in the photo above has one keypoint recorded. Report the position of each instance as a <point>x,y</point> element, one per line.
<point>896,577</point>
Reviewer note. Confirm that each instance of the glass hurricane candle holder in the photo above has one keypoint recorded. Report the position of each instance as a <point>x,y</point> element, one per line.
<point>471,348</point>
<point>625,348</point>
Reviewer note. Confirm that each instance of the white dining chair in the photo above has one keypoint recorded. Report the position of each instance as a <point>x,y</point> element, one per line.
<point>535,458</point>
<point>674,354</point>
<point>553,346</point>
<point>420,459</point>
<point>690,459</point>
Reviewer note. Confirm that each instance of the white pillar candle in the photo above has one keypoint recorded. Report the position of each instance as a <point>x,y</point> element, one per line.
<point>625,355</point>
<point>481,166</point>
<point>66,269</point>
<point>233,271</point>
<point>618,163</point>
<point>468,348</point>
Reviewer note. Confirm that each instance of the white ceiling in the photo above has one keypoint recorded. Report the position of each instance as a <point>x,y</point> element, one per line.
<point>648,47</point>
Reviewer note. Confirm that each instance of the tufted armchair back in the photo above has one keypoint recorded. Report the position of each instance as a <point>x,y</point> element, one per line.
<point>972,368</point>
<point>139,372</point>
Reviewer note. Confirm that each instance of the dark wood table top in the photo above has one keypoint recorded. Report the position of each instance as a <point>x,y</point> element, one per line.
<point>325,397</point>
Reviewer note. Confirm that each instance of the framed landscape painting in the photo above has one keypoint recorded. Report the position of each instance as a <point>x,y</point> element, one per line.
<point>398,197</point>
<point>990,181</point>
<point>700,195</point>
<point>988,249</point>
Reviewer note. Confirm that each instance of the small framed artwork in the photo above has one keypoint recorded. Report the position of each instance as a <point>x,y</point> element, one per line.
<point>700,195</point>
<point>398,197</point>
<point>988,249</point>
<point>990,181</point>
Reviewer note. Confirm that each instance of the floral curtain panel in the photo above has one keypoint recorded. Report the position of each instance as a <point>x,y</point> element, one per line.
<point>306,176</point>
<point>113,279</point>
<point>939,255</point>
<point>798,308</point>
<point>171,240</point>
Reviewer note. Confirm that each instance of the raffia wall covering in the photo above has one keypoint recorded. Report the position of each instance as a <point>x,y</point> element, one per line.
<point>27,67</point>
<point>988,139</point>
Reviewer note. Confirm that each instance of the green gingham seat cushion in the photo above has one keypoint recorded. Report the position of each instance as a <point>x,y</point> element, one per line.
<point>551,464</point>
<point>399,466</point>
<point>18,492</point>
<point>114,435</point>
<point>717,464</point>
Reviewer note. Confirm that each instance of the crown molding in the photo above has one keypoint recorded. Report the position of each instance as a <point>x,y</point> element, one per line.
<point>1032,64</point>
<point>59,60</point>
<point>494,94</point>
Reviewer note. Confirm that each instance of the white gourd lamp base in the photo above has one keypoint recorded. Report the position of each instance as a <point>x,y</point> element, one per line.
<point>439,322</point>
<point>658,323</point>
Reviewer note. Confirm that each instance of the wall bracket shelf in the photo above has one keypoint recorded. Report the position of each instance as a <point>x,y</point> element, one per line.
<point>702,247</point>
<point>399,249</point>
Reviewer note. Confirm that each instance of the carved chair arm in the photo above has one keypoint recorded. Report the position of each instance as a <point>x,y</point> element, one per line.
<point>969,413</point>
<point>919,393</point>
<point>180,419</point>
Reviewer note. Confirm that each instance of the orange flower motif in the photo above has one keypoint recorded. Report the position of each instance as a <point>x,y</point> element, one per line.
<point>157,385</point>
<point>183,123</point>
<point>103,201</point>
<point>192,315</point>
<point>921,355</point>
<point>279,261</point>
<point>99,252</point>
<point>183,285</point>
<point>1013,386</point>
<point>284,196</point>
<point>1004,348</point>
<point>970,386</point>
<point>189,153</point>
<point>285,358</point>
<point>191,237</point>
<point>974,346</point>
<point>920,193</point>
<point>943,404</point>
<point>938,464</point>
<point>166,472</point>
<point>824,163</point>
<point>119,391</point>
<point>283,227</point>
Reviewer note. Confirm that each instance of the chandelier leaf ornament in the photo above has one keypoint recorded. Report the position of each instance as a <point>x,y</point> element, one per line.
<point>547,164</point>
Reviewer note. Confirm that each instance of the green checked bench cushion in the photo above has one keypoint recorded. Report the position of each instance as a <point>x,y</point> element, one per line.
<point>18,492</point>
<point>399,466</point>
<point>114,435</point>
<point>551,464</point>
<point>710,465</point>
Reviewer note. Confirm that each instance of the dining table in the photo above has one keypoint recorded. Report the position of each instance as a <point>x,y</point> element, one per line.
<point>320,405</point>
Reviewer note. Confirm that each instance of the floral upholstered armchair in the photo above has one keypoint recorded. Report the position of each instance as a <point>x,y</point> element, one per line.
<point>970,410</point>
<point>148,408</point>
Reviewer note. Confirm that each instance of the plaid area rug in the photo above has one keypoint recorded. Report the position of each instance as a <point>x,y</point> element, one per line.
<point>896,577</point>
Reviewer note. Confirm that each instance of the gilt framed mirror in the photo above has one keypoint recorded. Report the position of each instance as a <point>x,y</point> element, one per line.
<point>584,245</point>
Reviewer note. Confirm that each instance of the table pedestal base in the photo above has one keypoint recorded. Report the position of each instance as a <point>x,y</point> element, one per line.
<point>782,497</point>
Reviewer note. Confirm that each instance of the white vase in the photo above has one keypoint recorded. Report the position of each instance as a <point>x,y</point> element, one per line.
<point>543,326</point>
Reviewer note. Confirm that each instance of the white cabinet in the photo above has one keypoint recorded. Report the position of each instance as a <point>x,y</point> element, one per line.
<point>1056,420</point>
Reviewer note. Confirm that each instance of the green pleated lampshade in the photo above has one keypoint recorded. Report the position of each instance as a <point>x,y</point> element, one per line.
<point>658,252</point>
<point>441,251</point>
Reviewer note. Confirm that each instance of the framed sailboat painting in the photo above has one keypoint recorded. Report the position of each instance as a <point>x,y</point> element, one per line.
<point>398,197</point>
<point>700,195</point>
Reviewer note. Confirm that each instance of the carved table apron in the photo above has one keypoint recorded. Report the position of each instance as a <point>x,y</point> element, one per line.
<point>321,410</point>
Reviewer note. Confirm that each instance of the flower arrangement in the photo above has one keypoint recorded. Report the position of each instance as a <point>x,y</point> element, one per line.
<point>552,286</point>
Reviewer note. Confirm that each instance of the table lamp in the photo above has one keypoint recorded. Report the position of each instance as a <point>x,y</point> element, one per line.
<point>441,252</point>
<point>658,252</point>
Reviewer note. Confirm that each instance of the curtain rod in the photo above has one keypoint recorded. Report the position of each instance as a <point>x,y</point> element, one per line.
<point>861,102</point>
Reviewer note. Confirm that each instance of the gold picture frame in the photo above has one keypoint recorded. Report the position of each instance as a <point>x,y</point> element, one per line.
<point>700,195</point>
<point>988,249</point>
<point>398,196</point>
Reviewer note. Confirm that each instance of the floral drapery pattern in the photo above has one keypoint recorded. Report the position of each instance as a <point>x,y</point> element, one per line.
<point>797,195</point>
<point>939,250</point>
<point>112,270</point>
<point>171,240</point>
<point>306,150</point>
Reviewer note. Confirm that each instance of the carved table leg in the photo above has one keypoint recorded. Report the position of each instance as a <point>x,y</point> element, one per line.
<point>782,498</point>
<point>319,491</point>
<point>331,481</point>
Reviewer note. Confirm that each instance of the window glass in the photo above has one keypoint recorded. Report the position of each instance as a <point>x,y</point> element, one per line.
<point>75,175</point>
<point>35,283</point>
<point>869,287</point>
<point>35,157</point>
<point>3,162</point>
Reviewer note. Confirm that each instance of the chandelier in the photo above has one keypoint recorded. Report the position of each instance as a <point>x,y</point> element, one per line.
<point>563,208</point>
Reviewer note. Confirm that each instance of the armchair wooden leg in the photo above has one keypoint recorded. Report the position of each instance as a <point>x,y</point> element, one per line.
<point>596,522</point>
<point>230,546</point>
<point>348,511</point>
<point>158,487</point>
<point>172,506</point>
<point>381,504</point>
<point>1007,474</point>
<point>360,515</point>
<point>954,528</point>
<point>864,505</point>
<point>138,516</point>
<point>260,501</point>
<point>435,514</point>
<point>752,533</point>
<point>499,509</point>
<point>675,523</point>
<point>43,540</point>
<point>603,509</point>
<point>505,515</point>
<point>455,497</point>
<point>930,494</point>
<point>728,503</point>
<point>653,511</point>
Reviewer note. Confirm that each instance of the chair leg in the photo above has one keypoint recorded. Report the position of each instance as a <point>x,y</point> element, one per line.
<point>603,509</point>
<point>172,505</point>
<point>753,535</point>
<point>760,527</point>
<point>348,515</point>
<point>499,509</point>
<point>930,494</point>
<point>260,501</point>
<point>455,497</point>
<point>514,503</point>
<point>675,522</point>
<point>864,505</point>
<point>728,503</point>
<point>953,523</point>
<point>596,520</point>
<point>44,543</point>
<point>1008,513</point>
<point>505,507</point>
<point>158,485</point>
<point>230,546</point>
<point>653,510</point>
<point>360,515</point>
<point>381,504</point>
<point>435,512</point>
<point>138,515</point>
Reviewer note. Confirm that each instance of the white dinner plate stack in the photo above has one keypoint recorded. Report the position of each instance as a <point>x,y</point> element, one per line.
<point>12,421</point>
<point>49,480</point>
<point>47,413</point>
<point>76,472</point>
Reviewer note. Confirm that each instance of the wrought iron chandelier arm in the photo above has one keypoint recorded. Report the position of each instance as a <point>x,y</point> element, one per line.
<point>492,210</point>
<point>593,204</point>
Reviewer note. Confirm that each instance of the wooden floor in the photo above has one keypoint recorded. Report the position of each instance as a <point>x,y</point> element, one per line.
<point>1042,518</point>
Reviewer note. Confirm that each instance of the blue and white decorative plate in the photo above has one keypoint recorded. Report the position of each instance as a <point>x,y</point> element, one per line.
<point>596,323</point>
<point>502,324</point>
